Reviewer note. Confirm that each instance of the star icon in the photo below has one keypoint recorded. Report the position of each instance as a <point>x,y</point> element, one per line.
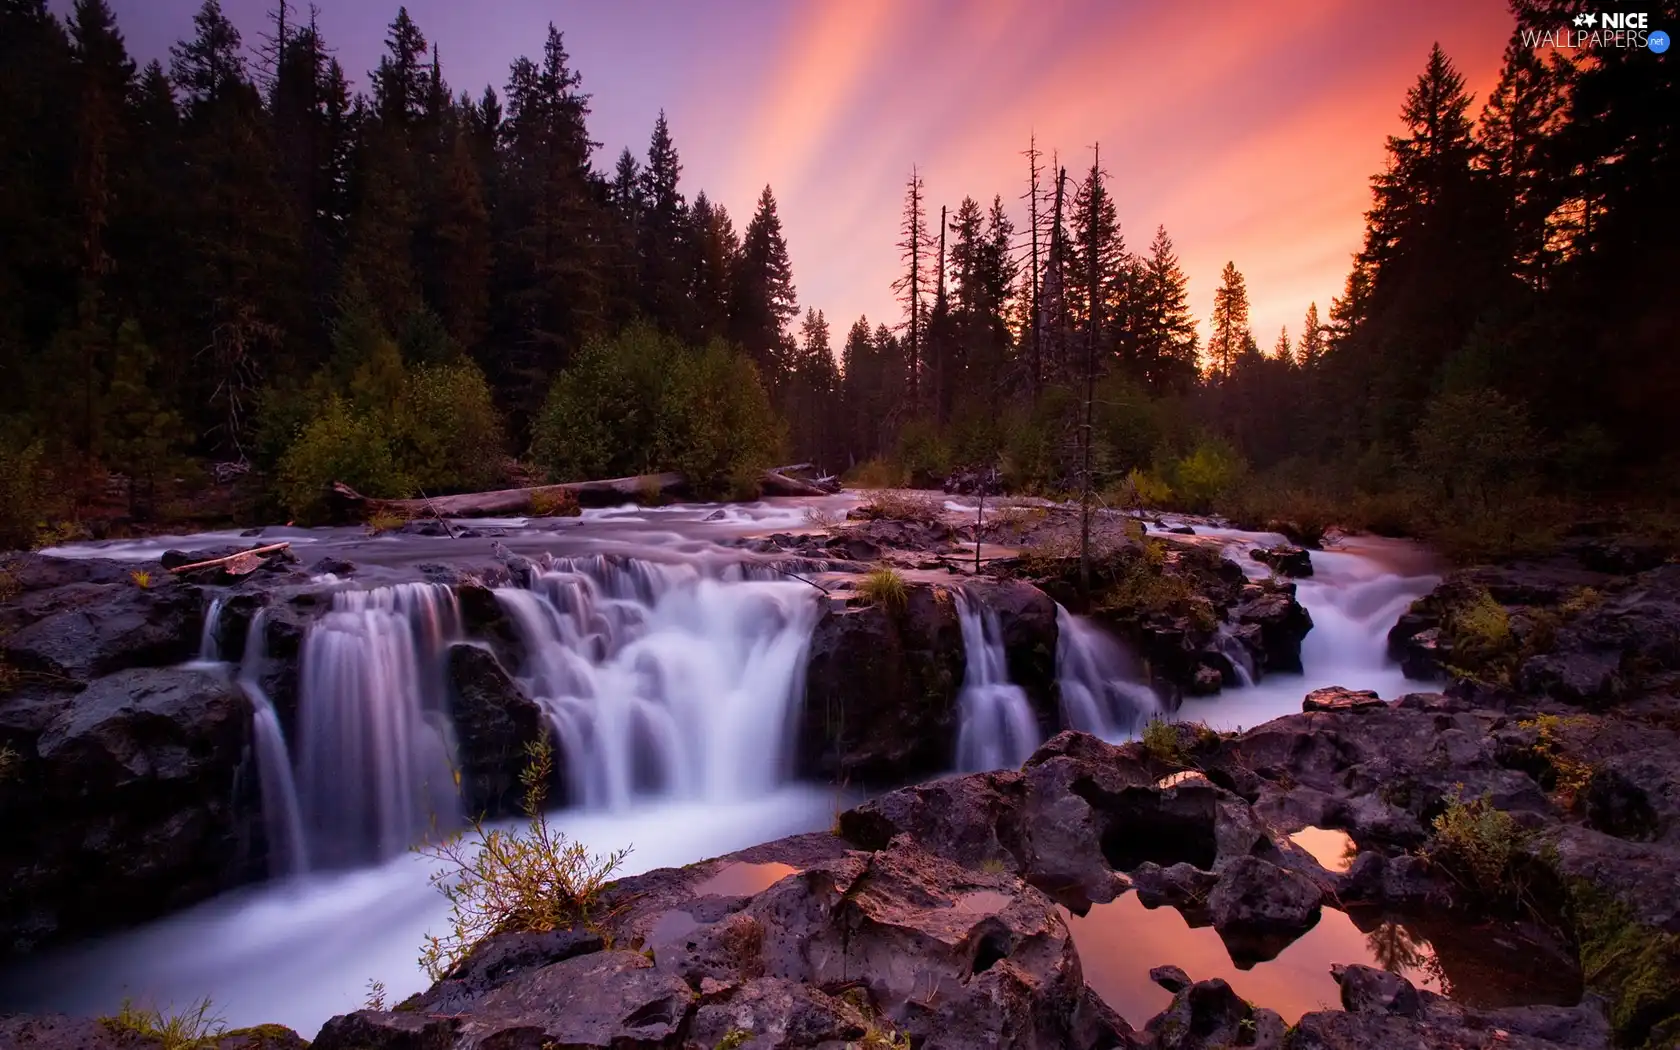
<point>1592,20</point>
<point>1580,20</point>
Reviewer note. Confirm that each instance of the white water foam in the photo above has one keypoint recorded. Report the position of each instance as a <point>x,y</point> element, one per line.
<point>1102,691</point>
<point>999,730</point>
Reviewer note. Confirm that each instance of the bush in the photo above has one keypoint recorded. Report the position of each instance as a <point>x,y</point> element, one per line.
<point>1204,475</point>
<point>1481,844</point>
<point>24,486</point>
<point>1160,739</point>
<point>884,587</point>
<point>900,506</point>
<point>339,445</point>
<point>531,880</point>
<point>877,474</point>
<point>1150,488</point>
<point>1479,631</point>
<point>554,503</point>
<point>923,452</point>
<point>448,435</point>
<point>1476,448</point>
<point>716,424</point>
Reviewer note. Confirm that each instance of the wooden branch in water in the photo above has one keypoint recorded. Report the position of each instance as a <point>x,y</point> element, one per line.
<point>235,564</point>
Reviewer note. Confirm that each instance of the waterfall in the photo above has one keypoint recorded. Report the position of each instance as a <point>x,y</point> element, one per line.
<point>661,679</point>
<point>1242,661</point>
<point>210,642</point>
<point>1100,690</point>
<point>288,852</point>
<point>998,730</point>
<point>374,738</point>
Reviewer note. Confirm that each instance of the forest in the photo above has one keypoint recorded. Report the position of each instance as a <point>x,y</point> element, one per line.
<point>236,273</point>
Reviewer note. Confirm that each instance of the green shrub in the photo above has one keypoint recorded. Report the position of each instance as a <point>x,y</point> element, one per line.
<point>1150,488</point>
<point>1476,448</point>
<point>554,503</point>
<point>340,444</point>
<point>923,452</point>
<point>717,427</point>
<point>1204,475</point>
<point>528,880</point>
<point>1480,844</point>
<point>1160,739</point>
<point>24,488</point>
<point>1478,629</point>
<point>448,435</point>
<point>876,474</point>
<point>884,587</point>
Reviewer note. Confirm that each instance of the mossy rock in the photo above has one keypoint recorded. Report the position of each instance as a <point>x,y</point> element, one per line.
<point>1636,968</point>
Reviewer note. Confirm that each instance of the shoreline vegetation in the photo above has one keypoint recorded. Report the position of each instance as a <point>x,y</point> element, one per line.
<point>245,273</point>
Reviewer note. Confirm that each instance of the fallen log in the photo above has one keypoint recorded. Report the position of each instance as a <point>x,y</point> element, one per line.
<point>348,504</point>
<point>239,563</point>
<point>776,482</point>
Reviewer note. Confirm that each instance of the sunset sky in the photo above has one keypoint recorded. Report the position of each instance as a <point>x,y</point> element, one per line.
<point>1249,130</point>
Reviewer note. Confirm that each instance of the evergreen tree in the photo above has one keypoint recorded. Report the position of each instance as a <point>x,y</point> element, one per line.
<point>1099,257</point>
<point>711,248</point>
<point>763,301</point>
<point>912,285</point>
<point>211,64</point>
<point>1164,332</point>
<point>401,87</point>
<point>1283,350</point>
<point>1310,347</point>
<point>662,240</point>
<point>1524,111</point>
<point>1230,334</point>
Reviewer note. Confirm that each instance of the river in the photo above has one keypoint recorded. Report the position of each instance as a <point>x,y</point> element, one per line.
<point>670,683</point>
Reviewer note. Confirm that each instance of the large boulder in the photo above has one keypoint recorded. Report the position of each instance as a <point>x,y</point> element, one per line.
<point>77,625</point>
<point>134,801</point>
<point>1284,559</point>
<point>495,723</point>
<point>881,689</point>
<point>1259,908</point>
<point>1283,624</point>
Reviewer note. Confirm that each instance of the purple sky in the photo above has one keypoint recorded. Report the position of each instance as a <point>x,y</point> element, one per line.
<point>1250,130</point>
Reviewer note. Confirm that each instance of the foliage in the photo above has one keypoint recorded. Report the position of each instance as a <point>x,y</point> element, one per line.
<point>877,474</point>
<point>1635,967</point>
<point>1160,739</point>
<point>386,521</point>
<point>195,1028</point>
<point>719,430</point>
<point>375,1000</point>
<point>1569,773</point>
<point>447,435</point>
<point>1481,844</point>
<point>923,452</point>
<point>883,586</point>
<point>734,1039</point>
<point>1476,448</point>
<point>901,506</point>
<point>1201,477</point>
<point>1478,629</point>
<point>24,488</point>
<point>140,578</point>
<point>555,503</point>
<point>1150,489</point>
<point>529,880</point>
<point>340,444</point>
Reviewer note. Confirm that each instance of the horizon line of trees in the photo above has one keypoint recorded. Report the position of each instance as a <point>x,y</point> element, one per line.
<point>238,258</point>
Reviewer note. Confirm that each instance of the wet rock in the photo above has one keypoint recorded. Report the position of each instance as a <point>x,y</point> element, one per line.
<point>1182,885</point>
<point>494,724</point>
<point>330,566</point>
<point>1583,678</point>
<point>770,1013</point>
<point>1285,559</point>
<point>1208,1014</point>
<point>1260,908</point>
<point>1283,624</point>
<point>973,820</point>
<point>1369,990</point>
<point>881,690</point>
<point>135,807</point>
<point>1171,978</point>
<point>1182,530</point>
<point>1337,698</point>
<point>80,630</point>
<point>1206,681</point>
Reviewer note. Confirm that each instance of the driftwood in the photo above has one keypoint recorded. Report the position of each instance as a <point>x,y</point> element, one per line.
<point>348,504</point>
<point>239,564</point>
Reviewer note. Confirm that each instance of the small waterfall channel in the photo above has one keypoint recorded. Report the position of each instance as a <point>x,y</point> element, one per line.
<point>999,729</point>
<point>1102,692</point>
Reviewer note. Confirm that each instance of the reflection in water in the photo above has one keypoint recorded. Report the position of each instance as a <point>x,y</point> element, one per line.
<point>1120,942</point>
<point>1334,850</point>
<point>742,879</point>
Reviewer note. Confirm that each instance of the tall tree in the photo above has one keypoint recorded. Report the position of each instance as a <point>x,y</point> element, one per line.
<point>911,285</point>
<point>711,248</point>
<point>1165,332</point>
<point>1524,111</point>
<point>1229,334</point>
<point>1310,347</point>
<point>763,302</point>
<point>1099,256</point>
<point>663,230</point>
<point>1034,317</point>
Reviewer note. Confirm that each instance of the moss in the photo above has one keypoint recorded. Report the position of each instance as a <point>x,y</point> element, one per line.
<point>262,1037</point>
<point>733,1038</point>
<point>1636,968</point>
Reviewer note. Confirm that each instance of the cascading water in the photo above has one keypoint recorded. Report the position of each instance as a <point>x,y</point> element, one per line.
<point>374,738</point>
<point>209,641</point>
<point>1242,661</point>
<point>288,851</point>
<point>1099,683</point>
<point>664,679</point>
<point>999,730</point>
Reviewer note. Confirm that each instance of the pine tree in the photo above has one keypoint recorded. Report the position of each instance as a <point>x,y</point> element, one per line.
<point>142,438</point>
<point>1309,349</point>
<point>1099,257</point>
<point>661,284</point>
<point>400,83</point>
<point>1230,334</point>
<point>763,301</point>
<point>211,64</point>
<point>460,289</point>
<point>712,248</point>
<point>911,287</point>
<point>1283,350</point>
<point>1523,112</point>
<point>1165,333</point>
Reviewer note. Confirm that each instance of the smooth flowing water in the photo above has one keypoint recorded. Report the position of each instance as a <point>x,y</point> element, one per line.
<point>288,849</point>
<point>1101,685</point>
<point>999,730</point>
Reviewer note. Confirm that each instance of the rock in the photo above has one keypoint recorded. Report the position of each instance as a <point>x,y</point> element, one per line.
<point>81,630</point>
<point>881,691</point>
<point>1583,678</point>
<point>1027,620</point>
<point>1285,559</point>
<point>1283,623</point>
<point>261,1037</point>
<point>1208,1014</point>
<point>777,1014</point>
<point>1182,885</point>
<point>1206,681</point>
<point>60,1033</point>
<point>1617,806</point>
<point>1171,978</point>
<point>973,820</point>
<point>330,566</point>
<point>140,802</point>
<point>1182,530</point>
<point>1336,698</point>
<point>494,724</point>
<point>1369,990</point>
<point>969,481</point>
<point>1260,908</point>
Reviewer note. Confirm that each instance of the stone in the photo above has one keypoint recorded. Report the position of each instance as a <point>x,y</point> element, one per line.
<point>494,724</point>
<point>1336,698</point>
<point>1259,908</point>
<point>79,631</point>
<point>1206,681</point>
<point>1171,978</point>
<point>1283,624</point>
<point>1366,989</point>
<point>1285,559</point>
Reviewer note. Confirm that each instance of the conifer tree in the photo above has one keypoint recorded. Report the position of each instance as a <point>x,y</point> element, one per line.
<point>1309,349</point>
<point>1230,334</point>
<point>911,286</point>
<point>1165,333</point>
<point>763,302</point>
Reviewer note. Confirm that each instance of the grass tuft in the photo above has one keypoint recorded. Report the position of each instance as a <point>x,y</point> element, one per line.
<point>530,880</point>
<point>385,521</point>
<point>195,1028</point>
<point>1481,843</point>
<point>1160,739</point>
<point>901,506</point>
<point>560,503</point>
<point>884,587</point>
<point>142,579</point>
